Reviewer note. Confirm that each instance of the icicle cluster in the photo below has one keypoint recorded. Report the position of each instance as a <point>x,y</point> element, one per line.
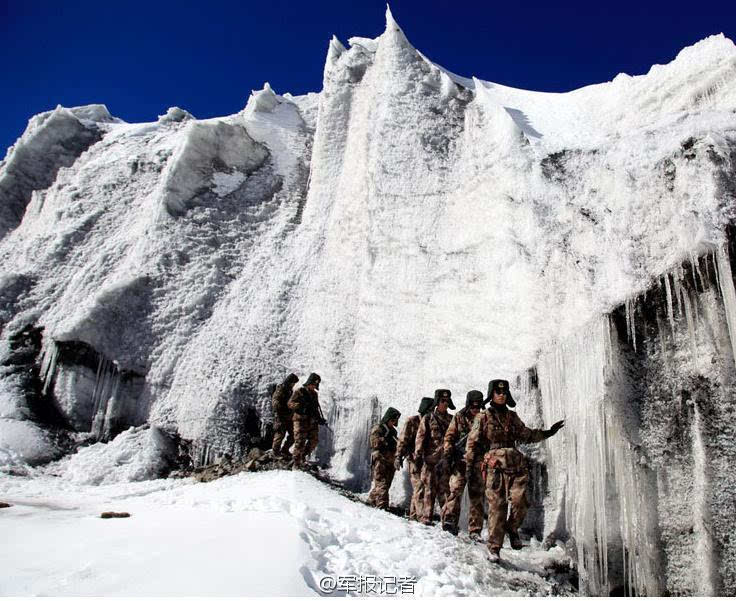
<point>49,359</point>
<point>725,282</point>
<point>597,468</point>
<point>593,464</point>
<point>104,397</point>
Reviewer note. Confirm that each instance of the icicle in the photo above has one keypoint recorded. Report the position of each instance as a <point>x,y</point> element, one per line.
<point>690,323</point>
<point>708,255</point>
<point>714,257</point>
<point>694,304</point>
<point>575,379</point>
<point>677,278</point>
<point>670,311</point>
<point>48,365</point>
<point>705,563</point>
<point>662,342</point>
<point>630,325</point>
<point>573,383</point>
<point>104,397</point>
<point>725,283</point>
<point>98,413</point>
<point>696,264</point>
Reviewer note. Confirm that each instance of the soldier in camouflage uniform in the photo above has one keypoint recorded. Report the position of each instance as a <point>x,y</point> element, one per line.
<point>428,446</point>
<point>307,417</point>
<point>494,436</point>
<point>282,421</point>
<point>405,450</point>
<point>454,449</point>
<point>383,454</point>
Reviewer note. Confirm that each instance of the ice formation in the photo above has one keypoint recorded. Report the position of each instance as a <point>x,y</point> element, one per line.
<point>403,230</point>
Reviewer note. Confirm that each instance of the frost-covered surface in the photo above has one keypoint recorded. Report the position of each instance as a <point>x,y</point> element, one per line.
<point>52,140</point>
<point>23,442</point>
<point>273,533</point>
<point>134,455</point>
<point>642,465</point>
<point>403,230</point>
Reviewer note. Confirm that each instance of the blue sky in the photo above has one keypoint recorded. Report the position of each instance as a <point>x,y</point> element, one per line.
<point>139,58</point>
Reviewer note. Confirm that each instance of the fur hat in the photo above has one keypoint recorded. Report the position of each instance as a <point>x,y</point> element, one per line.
<point>474,396</point>
<point>390,414</point>
<point>313,379</point>
<point>499,386</point>
<point>425,405</point>
<point>442,393</point>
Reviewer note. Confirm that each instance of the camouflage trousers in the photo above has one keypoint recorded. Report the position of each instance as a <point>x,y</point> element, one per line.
<point>506,481</point>
<point>436,482</point>
<point>382,468</point>
<point>451,510</point>
<point>417,487</point>
<point>282,427</point>
<point>306,437</point>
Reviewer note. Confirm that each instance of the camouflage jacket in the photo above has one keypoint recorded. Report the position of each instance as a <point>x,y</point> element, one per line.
<point>494,429</point>
<point>305,405</point>
<point>407,438</point>
<point>383,443</point>
<point>460,425</point>
<point>280,400</point>
<point>430,434</point>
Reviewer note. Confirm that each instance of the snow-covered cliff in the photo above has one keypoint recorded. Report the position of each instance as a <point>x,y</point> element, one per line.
<point>403,230</point>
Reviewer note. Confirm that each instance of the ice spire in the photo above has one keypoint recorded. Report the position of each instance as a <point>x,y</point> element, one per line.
<point>335,50</point>
<point>393,31</point>
<point>390,21</point>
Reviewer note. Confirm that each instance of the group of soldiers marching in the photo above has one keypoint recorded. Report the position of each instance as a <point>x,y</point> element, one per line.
<point>297,416</point>
<point>444,454</point>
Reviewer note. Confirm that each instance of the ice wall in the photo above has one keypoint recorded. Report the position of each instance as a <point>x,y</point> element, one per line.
<point>639,471</point>
<point>403,230</point>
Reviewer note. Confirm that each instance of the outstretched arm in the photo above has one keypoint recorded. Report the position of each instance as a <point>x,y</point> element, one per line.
<point>527,435</point>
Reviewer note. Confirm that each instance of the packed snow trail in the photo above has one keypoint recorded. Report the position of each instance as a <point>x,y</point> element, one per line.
<point>267,533</point>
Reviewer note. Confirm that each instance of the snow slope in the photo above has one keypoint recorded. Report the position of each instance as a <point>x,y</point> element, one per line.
<point>271,533</point>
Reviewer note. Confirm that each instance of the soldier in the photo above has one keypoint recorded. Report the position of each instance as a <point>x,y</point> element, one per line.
<point>405,450</point>
<point>282,421</point>
<point>454,449</point>
<point>428,446</point>
<point>383,454</point>
<point>494,435</point>
<point>307,417</point>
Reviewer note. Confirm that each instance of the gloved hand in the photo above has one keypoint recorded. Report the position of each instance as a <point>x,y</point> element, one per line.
<point>398,463</point>
<point>555,428</point>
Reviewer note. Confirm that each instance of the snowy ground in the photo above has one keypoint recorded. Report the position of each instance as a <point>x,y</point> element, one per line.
<point>268,533</point>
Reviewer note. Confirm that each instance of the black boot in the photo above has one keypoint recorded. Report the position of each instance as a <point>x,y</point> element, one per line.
<point>451,528</point>
<point>515,540</point>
